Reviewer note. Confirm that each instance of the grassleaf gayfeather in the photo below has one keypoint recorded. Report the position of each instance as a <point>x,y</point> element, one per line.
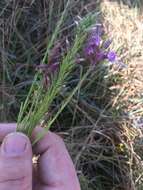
<point>38,101</point>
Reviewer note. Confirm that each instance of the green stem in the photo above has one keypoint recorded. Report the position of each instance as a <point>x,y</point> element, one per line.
<point>54,36</point>
<point>63,105</point>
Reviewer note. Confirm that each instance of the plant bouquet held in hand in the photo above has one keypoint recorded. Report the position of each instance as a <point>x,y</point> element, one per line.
<point>50,78</point>
<point>55,70</point>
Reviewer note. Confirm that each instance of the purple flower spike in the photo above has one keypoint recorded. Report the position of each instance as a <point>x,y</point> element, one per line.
<point>107,44</point>
<point>99,30</point>
<point>89,51</point>
<point>96,40</point>
<point>111,56</point>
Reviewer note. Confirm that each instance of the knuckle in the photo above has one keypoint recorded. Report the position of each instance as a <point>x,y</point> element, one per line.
<point>13,181</point>
<point>13,171</point>
<point>15,184</point>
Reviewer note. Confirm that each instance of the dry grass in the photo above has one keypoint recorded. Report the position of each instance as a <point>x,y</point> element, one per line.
<point>125,26</point>
<point>111,155</point>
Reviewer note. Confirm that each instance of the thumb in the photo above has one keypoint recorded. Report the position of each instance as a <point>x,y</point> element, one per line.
<point>16,163</point>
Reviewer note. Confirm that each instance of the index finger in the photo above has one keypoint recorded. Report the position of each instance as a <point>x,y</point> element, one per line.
<point>55,167</point>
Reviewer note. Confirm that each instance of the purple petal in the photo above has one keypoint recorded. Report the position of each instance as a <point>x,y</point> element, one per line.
<point>111,56</point>
<point>89,51</point>
<point>95,40</point>
<point>107,44</point>
<point>100,56</point>
<point>98,30</point>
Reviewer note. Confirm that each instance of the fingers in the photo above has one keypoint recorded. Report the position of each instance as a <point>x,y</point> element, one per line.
<point>55,167</point>
<point>56,170</point>
<point>15,162</point>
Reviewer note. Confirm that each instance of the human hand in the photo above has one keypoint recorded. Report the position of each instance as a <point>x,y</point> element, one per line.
<point>54,170</point>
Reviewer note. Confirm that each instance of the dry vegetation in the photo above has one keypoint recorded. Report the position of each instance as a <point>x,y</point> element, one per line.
<point>126,29</point>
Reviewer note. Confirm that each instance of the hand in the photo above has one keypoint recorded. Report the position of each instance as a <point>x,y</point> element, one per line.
<point>54,170</point>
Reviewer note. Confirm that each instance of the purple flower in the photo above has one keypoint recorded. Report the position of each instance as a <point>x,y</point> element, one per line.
<point>95,41</point>
<point>111,56</point>
<point>89,51</point>
<point>96,50</point>
<point>107,44</point>
<point>99,30</point>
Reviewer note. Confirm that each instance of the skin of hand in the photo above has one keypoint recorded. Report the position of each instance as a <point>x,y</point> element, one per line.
<point>54,169</point>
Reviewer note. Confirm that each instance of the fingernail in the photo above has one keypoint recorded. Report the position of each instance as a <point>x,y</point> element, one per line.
<point>14,144</point>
